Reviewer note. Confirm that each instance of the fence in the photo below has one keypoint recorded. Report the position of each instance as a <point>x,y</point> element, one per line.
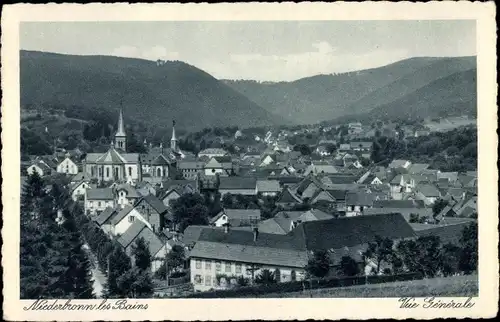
<point>305,285</point>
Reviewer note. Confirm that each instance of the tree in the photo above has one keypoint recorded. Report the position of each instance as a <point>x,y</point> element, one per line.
<point>422,255</point>
<point>348,266</point>
<point>331,148</point>
<point>379,251</point>
<point>469,245</point>
<point>141,254</point>
<point>319,265</point>
<point>118,263</point>
<point>266,277</point>
<point>190,209</point>
<point>135,283</point>
<point>450,259</point>
<point>438,206</point>
<point>176,258</point>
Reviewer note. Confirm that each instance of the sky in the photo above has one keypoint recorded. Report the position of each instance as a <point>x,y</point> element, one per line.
<point>263,51</point>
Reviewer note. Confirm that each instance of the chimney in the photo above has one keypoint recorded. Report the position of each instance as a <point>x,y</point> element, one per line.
<point>255,233</point>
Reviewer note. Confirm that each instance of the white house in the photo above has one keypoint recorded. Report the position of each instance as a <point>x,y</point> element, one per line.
<point>67,166</point>
<point>268,187</point>
<point>124,218</point>
<point>126,195</point>
<point>212,152</point>
<point>236,217</point>
<point>40,167</point>
<point>96,200</point>
<point>78,189</point>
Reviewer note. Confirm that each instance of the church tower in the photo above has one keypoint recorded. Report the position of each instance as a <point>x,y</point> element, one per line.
<point>120,136</point>
<point>173,140</point>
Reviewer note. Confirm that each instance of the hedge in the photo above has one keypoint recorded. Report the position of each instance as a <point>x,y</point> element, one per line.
<point>299,285</point>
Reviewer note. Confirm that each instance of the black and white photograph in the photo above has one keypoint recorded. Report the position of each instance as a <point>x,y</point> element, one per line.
<point>240,159</point>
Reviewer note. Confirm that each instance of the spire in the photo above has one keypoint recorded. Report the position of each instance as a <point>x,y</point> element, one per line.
<point>173,141</point>
<point>121,126</point>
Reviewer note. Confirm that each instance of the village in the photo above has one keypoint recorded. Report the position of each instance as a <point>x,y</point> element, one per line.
<point>219,220</point>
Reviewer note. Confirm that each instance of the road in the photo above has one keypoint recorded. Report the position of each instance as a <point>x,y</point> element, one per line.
<point>99,279</point>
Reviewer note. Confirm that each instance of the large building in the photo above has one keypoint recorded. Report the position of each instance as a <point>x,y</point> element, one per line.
<point>116,164</point>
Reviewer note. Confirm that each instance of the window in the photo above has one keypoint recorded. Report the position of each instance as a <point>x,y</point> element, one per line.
<point>158,172</point>
<point>99,170</point>
<point>208,280</point>
<point>217,266</point>
<point>198,264</point>
<point>238,268</point>
<point>228,267</point>
<point>99,204</point>
<point>198,279</point>
<point>131,218</point>
<point>107,172</point>
<point>130,171</point>
<point>208,265</point>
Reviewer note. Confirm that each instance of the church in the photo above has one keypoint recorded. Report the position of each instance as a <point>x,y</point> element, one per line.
<point>116,164</point>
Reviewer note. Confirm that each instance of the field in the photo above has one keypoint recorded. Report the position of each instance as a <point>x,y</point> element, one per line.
<point>450,123</point>
<point>462,286</point>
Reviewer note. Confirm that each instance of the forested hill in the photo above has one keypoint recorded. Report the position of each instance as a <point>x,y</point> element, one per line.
<point>325,97</point>
<point>149,93</point>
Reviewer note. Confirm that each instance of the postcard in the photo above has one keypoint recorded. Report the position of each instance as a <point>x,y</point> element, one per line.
<point>250,161</point>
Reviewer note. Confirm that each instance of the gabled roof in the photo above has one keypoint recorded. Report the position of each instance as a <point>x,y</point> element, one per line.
<point>131,191</point>
<point>183,164</point>
<point>288,197</point>
<point>160,160</point>
<point>428,190</point>
<point>110,157</point>
<point>237,216</point>
<point>155,203</point>
<point>237,183</point>
<point>268,186</point>
<point>352,231</point>
<point>250,254</point>
<point>417,167</point>
<point>359,199</point>
<point>105,215</point>
<point>100,194</point>
<point>446,233</point>
<point>397,163</point>
<point>398,204</point>
<point>152,240</point>
<point>131,233</point>
<point>121,214</point>
<point>338,194</point>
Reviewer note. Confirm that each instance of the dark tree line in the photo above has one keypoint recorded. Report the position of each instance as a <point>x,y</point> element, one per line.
<point>53,263</point>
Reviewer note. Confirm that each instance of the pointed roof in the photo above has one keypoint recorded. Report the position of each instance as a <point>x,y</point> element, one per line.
<point>121,126</point>
<point>174,138</point>
<point>112,156</point>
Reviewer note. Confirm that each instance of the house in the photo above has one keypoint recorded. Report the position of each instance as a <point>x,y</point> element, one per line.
<point>316,168</point>
<point>351,235</point>
<point>336,179</point>
<point>323,150</point>
<point>77,190</point>
<point>145,188</point>
<point>222,166</point>
<point>400,184</point>
<point>96,200</point>
<point>80,176</point>
<point>308,187</point>
<point>67,166</point>
<point>449,176</point>
<point>448,234</point>
<point>417,168</point>
<point>40,167</point>
<point>428,193</point>
<point>266,160</point>
<point>157,248</point>
<point>334,196</point>
<point>399,164</point>
<point>288,199</point>
<point>285,221</point>
<point>103,220</point>
<point>370,178</point>
<point>124,218</point>
<point>126,195</point>
<point>175,189</point>
<point>405,207</point>
<point>219,257</point>
<point>190,169</point>
<point>361,146</point>
<point>268,187</point>
<point>212,152</point>
<point>357,202</point>
<point>345,147</point>
<point>155,212</point>
<point>237,185</point>
<point>236,217</point>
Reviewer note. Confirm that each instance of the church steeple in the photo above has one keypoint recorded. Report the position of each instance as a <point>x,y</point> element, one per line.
<point>121,136</point>
<point>173,141</point>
